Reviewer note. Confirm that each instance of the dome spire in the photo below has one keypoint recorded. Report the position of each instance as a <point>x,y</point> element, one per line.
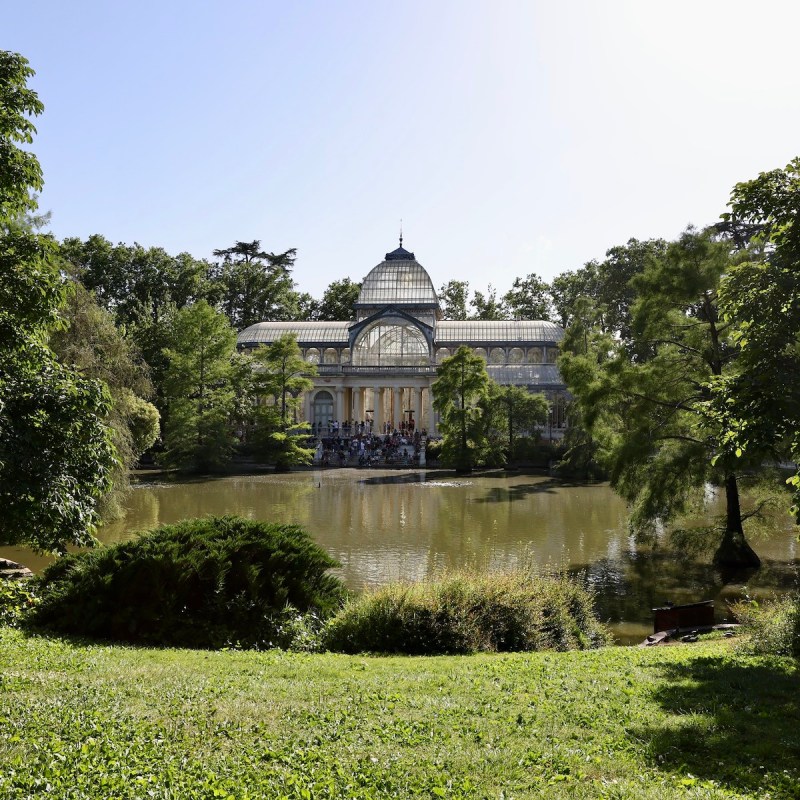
<point>401,231</point>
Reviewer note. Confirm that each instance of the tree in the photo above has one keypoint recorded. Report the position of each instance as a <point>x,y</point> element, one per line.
<point>608,284</point>
<point>461,385</point>
<point>528,298</point>
<point>512,409</point>
<point>759,404</point>
<point>127,280</point>
<point>200,393</point>
<point>646,402</point>
<point>281,378</point>
<point>252,285</point>
<point>453,295</point>
<point>487,306</point>
<point>338,300</point>
<point>20,173</point>
<point>55,450</point>
<point>91,344</point>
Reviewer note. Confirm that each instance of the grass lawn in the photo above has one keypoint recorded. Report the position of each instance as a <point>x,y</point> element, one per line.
<point>97,721</point>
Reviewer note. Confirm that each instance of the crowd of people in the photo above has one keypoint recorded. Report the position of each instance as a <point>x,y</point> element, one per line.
<point>355,444</point>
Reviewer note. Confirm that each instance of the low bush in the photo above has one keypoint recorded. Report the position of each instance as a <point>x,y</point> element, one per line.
<point>17,599</point>
<point>200,583</point>
<point>773,627</point>
<point>535,452</point>
<point>433,450</point>
<point>467,613</point>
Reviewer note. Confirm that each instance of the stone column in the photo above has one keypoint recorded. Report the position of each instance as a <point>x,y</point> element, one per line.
<point>338,410</point>
<point>377,413</point>
<point>358,407</point>
<point>396,407</point>
<point>418,408</point>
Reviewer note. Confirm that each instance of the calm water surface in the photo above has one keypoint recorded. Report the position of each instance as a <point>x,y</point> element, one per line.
<point>388,525</point>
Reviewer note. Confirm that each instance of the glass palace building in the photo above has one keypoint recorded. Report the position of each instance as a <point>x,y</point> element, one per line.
<point>379,366</point>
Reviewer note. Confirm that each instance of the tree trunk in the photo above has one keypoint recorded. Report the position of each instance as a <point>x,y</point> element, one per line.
<point>734,551</point>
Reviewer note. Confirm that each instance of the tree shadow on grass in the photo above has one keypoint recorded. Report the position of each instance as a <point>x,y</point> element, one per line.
<point>733,722</point>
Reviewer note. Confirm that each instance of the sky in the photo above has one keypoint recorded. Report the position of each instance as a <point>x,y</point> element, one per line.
<point>511,137</point>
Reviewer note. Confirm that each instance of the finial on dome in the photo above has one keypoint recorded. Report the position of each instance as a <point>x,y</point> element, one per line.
<point>401,232</point>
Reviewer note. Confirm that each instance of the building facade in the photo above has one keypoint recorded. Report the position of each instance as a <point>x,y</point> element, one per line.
<point>379,366</point>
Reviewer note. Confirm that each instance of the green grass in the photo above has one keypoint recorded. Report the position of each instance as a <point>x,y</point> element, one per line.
<point>99,721</point>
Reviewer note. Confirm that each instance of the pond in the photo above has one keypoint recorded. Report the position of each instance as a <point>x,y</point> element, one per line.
<point>388,525</point>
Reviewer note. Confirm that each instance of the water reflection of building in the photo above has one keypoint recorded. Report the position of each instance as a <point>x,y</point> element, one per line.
<point>379,366</point>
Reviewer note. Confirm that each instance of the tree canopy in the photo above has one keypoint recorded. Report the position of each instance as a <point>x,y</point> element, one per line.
<point>462,383</point>
<point>759,404</point>
<point>645,400</point>
<point>55,450</point>
<point>281,377</point>
<point>200,390</point>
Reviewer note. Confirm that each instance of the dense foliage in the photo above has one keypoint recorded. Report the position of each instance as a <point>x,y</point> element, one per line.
<point>461,385</point>
<point>200,583</point>
<point>55,449</point>
<point>468,613</point>
<point>281,376</point>
<point>772,626</point>
<point>200,391</point>
<point>645,399</point>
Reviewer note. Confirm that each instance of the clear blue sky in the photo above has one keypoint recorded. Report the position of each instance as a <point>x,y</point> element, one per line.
<point>510,136</point>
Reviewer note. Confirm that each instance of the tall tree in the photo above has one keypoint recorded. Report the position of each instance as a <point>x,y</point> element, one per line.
<point>608,284</point>
<point>759,404</point>
<point>461,386</point>
<point>200,391</point>
<point>528,298</point>
<point>646,402</point>
<point>487,306</point>
<point>91,344</point>
<point>338,300</point>
<point>454,295</point>
<point>281,378</point>
<point>128,280</point>
<point>252,285</point>
<point>55,450</point>
<point>512,409</point>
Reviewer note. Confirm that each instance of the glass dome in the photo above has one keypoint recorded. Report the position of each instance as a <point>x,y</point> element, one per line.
<point>398,280</point>
<point>391,342</point>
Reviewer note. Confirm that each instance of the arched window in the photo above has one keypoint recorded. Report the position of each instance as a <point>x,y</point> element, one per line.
<point>312,355</point>
<point>497,355</point>
<point>481,351</point>
<point>516,355</point>
<point>535,355</point>
<point>551,355</point>
<point>322,410</point>
<point>441,354</point>
<point>345,358</point>
<point>391,343</point>
<point>331,356</point>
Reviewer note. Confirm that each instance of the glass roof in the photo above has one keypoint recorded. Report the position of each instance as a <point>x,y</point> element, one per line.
<point>307,333</point>
<point>397,281</point>
<point>496,331</point>
<point>526,374</point>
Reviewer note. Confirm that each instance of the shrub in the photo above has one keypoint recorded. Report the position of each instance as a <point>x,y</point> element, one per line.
<point>200,583</point>
<point>773,627</point>
<point>467,613</point>
<point>433,450</point>
<point>17,598</point>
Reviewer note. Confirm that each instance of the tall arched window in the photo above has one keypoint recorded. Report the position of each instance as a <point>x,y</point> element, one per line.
<point>322,410</point>
<point>391,343</point>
